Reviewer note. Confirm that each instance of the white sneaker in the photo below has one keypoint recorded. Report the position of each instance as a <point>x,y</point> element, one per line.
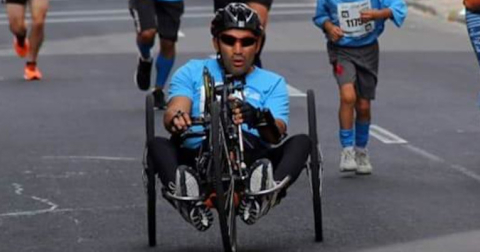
<point>364,167</point>
<point>186,184</point>
<point>261,178</point>
<point>196,213</point>
<point>347,160</point>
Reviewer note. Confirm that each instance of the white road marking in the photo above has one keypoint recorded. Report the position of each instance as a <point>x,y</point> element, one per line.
<point>18,188</point>
<point>66,175</point>
<point>458,168</point>
<point>385,136</point>
<point>103,18</point>
<point>424,153</point>
<point>466,172</point>
<point>208,9</point>
<point>99,158</point>
<point>19,191</point>
<point>388,137</point>
<point>63,210</point>
<point>294,92</point>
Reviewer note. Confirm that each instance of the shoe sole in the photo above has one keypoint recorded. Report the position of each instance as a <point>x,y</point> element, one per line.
<point>32,78</point>
<point>348,169</point>
<point>363,172</point>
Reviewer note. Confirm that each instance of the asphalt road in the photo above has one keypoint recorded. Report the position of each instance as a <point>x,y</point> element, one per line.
<point>71,145</point>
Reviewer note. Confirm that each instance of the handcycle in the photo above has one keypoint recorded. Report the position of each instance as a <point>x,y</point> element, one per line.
<point>221,166</point>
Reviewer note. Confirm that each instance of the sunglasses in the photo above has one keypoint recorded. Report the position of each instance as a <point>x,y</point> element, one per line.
<point>231,40</point>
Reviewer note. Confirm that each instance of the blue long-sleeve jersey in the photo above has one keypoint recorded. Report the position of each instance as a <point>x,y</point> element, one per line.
<point>345,13</point>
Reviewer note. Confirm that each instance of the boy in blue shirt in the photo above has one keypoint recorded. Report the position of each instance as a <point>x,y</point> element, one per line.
<point>152,17</point>
<point>352,28</point>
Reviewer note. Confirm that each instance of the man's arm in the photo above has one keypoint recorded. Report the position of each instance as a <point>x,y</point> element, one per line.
<point>270,129</point>
<point>373,14</point>
<point>473,5</point>
<point>177,115</point>
<point>334,32</point>
<point>269,134</point>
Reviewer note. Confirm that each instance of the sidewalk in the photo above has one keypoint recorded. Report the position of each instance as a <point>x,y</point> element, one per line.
<point>448,9</point>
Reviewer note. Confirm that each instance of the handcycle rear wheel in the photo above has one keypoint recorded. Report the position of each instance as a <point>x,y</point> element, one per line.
<point>150,173</point>
<point>225,198</point>
<point>316,166</point>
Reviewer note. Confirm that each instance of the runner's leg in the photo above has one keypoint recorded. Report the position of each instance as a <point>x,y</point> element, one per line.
<point>39,13</point>
<point>16,18</point>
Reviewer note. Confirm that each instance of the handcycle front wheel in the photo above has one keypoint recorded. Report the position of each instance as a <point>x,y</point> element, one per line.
<point>225,198</point>
<point>315,166</point>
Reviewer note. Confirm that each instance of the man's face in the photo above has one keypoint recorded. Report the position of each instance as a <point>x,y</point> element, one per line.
<point>238,49</point>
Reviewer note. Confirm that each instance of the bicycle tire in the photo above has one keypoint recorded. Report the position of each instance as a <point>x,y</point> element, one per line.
<point>315,166</point>
<point>151,206</point>
<point>150,173</point>
<point>150,118</point>
<point>224,205</point>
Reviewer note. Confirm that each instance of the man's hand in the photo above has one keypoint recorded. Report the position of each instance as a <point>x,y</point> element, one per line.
<point>369,15</point>
<point>243,112</point>
<point>176,118</point>
<point>374,14</point>
<point>180,122</point>
<point>334,32</point>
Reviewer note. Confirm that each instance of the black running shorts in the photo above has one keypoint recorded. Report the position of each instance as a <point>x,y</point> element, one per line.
<point>22,2</point>
<point>222,3</point>
<point>162,16</point>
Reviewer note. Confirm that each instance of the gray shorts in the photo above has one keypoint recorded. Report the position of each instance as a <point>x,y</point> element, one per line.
<point>358,65</point>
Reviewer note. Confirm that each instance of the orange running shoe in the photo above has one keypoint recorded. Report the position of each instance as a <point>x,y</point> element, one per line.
<point>21,51</point>
<point>32,72</point>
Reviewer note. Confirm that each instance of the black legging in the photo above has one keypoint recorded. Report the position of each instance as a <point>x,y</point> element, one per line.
<point>289,158</point>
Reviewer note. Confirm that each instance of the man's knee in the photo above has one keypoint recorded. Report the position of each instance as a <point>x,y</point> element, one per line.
<point>302,141</point>
<point>348,94</point>
<point>159,144</point>
<point>18,27</point>
<point>167,48</point>
<point>38,24</point>
<point>363,109</point>
<point>17,23</point>
<point>298,145</point>
<point>147,36</point>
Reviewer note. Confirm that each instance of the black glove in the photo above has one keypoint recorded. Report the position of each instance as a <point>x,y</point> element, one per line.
<point>251,115</point>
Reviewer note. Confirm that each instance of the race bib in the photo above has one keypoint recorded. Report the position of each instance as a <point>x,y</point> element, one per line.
<point>349,18</point>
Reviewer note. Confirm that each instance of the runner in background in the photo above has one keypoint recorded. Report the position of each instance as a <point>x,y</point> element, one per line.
<point>28,44</point>
<point>152,17</point>
<point>352,28</point>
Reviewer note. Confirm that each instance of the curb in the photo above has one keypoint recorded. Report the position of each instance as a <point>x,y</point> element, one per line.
<point>456,16</point>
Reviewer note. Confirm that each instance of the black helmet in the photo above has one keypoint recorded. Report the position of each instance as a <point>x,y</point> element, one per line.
<point>236,16</point>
